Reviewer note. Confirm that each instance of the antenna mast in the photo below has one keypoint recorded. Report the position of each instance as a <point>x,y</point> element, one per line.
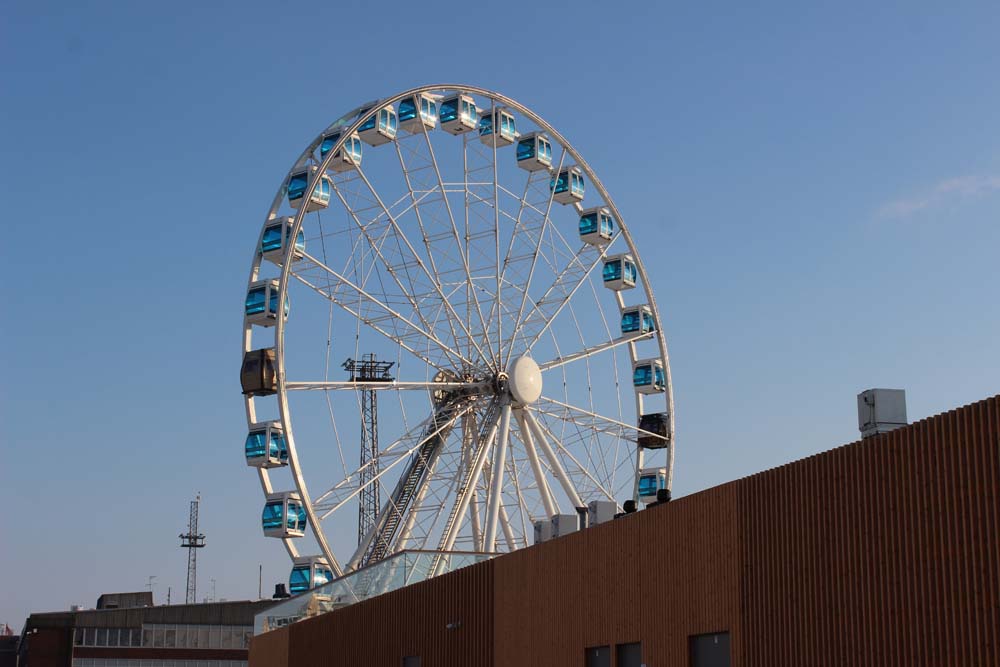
<point>369,369</point>
<point>192,541</point>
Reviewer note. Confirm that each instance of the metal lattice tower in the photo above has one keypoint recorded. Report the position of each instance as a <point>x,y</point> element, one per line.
<point>369,369</point>
<point>192,541</point>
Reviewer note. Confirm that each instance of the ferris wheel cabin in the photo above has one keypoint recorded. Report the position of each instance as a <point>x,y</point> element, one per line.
<point>619,272</point>
<point>651,480</point>
<point>299,182</point>
<point>284,515</point>
<point>657,430</point>
<point>596,226</point>
<point>418,112</point>
<point>534,152</point>
<point>265,446</point>
<point>638,319</point>
<point>308,572</point>
<point>648,376</point>
<point>261,305</point>
<point>380,128</point>
<point>257,374</point>
<point>349,155</point>
<point>567,186</point>
<point>458,114</point>
<point>275,240</point>
<point>502,119</point>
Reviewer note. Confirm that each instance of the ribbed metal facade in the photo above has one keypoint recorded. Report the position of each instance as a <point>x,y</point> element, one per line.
<point>882,552</point>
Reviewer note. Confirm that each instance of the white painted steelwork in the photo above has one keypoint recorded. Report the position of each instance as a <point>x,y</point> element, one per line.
<point>439,250</point>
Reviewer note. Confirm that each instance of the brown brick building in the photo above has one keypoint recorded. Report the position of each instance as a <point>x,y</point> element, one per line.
<point>882,552</point>
<point>127,631</point>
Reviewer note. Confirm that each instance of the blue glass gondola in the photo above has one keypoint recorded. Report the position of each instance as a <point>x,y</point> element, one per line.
<point>648,376</point>
<point>380,128</point>
<point>308,572</point>
<point>261,304</point>
<point>567,186</point>
<point>596,226</point>
<point>651,480</point>
<point>502,119</point>
<point>418,112</point>
<point>534,152</point>
<point>636,320</point>
<point>284,515</point>
<point>274,240</point>
<point>265,446</point>
<point>458,114</point>
<point>347,157</point>
<point>619,272</point>
<point>299,182</point>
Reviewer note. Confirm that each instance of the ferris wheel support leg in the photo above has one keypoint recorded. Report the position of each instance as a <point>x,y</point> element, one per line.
<point>469,435</point>
<point>496,483</point>
<point>550,455</point>
<point>536,465</point>
<point>465,494</point>
<point>508,532</point>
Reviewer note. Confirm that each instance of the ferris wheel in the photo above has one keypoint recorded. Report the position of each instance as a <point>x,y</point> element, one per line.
<point>449,342</point>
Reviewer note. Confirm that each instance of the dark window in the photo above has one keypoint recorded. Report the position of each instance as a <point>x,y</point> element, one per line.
<point>709,650</point>
<point>411,661</point>
<point>628,655</point>
<point>598,656</point>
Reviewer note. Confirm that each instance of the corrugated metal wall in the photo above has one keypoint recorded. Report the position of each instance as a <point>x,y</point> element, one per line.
<point>411,621</point>
<point>655,577</point>
<point>270,649</point>
<point>883,552</point>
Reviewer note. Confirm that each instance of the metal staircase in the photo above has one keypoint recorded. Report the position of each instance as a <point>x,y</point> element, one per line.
<point>388,521</point>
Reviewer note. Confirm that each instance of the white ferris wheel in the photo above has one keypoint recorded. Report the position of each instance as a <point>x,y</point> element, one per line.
<point>467,342</point>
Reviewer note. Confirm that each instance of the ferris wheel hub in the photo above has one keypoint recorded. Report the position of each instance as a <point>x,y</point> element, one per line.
<point>525,380</point>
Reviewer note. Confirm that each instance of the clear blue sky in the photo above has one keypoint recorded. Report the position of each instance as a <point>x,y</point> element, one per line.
<point>821,187</point>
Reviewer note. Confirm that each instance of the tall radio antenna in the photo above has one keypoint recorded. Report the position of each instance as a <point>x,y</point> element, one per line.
<point>192,541</point>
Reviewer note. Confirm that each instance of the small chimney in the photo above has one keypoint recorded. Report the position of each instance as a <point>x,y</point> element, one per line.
<point>881,411</point>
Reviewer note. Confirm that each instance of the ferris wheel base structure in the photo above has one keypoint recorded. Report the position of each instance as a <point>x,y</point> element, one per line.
<point>453,232</point>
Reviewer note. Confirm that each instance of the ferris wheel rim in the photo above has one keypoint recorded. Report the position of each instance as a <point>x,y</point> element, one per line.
<point>348,128</point>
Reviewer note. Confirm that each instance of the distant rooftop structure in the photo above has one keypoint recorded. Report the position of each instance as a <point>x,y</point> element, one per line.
<point>125,600</point>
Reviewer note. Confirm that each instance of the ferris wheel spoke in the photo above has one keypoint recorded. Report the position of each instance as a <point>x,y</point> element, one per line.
<point>467,388</point>
<point>387,314</point>
<point>434,283</point>
<point>594,421</point>
<point>463,250</point>
<point>334,498</point>
<point>595,349</point>
<point>371,229</point>
<point>584,477</point>
<point>408,177</point>
<point>560,292</point>
<point>521,249</point>
<point>535,256</point>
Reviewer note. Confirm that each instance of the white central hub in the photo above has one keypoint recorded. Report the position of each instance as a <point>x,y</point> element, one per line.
<point>525,380</point>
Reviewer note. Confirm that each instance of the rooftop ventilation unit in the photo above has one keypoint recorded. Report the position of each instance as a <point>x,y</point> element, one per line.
<point>881,411</point>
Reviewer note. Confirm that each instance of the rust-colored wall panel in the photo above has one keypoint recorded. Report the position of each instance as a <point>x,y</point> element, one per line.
<point>270,649</point>
<point>410,621</point>
<point>883,552</point>
<point>655,577</point>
